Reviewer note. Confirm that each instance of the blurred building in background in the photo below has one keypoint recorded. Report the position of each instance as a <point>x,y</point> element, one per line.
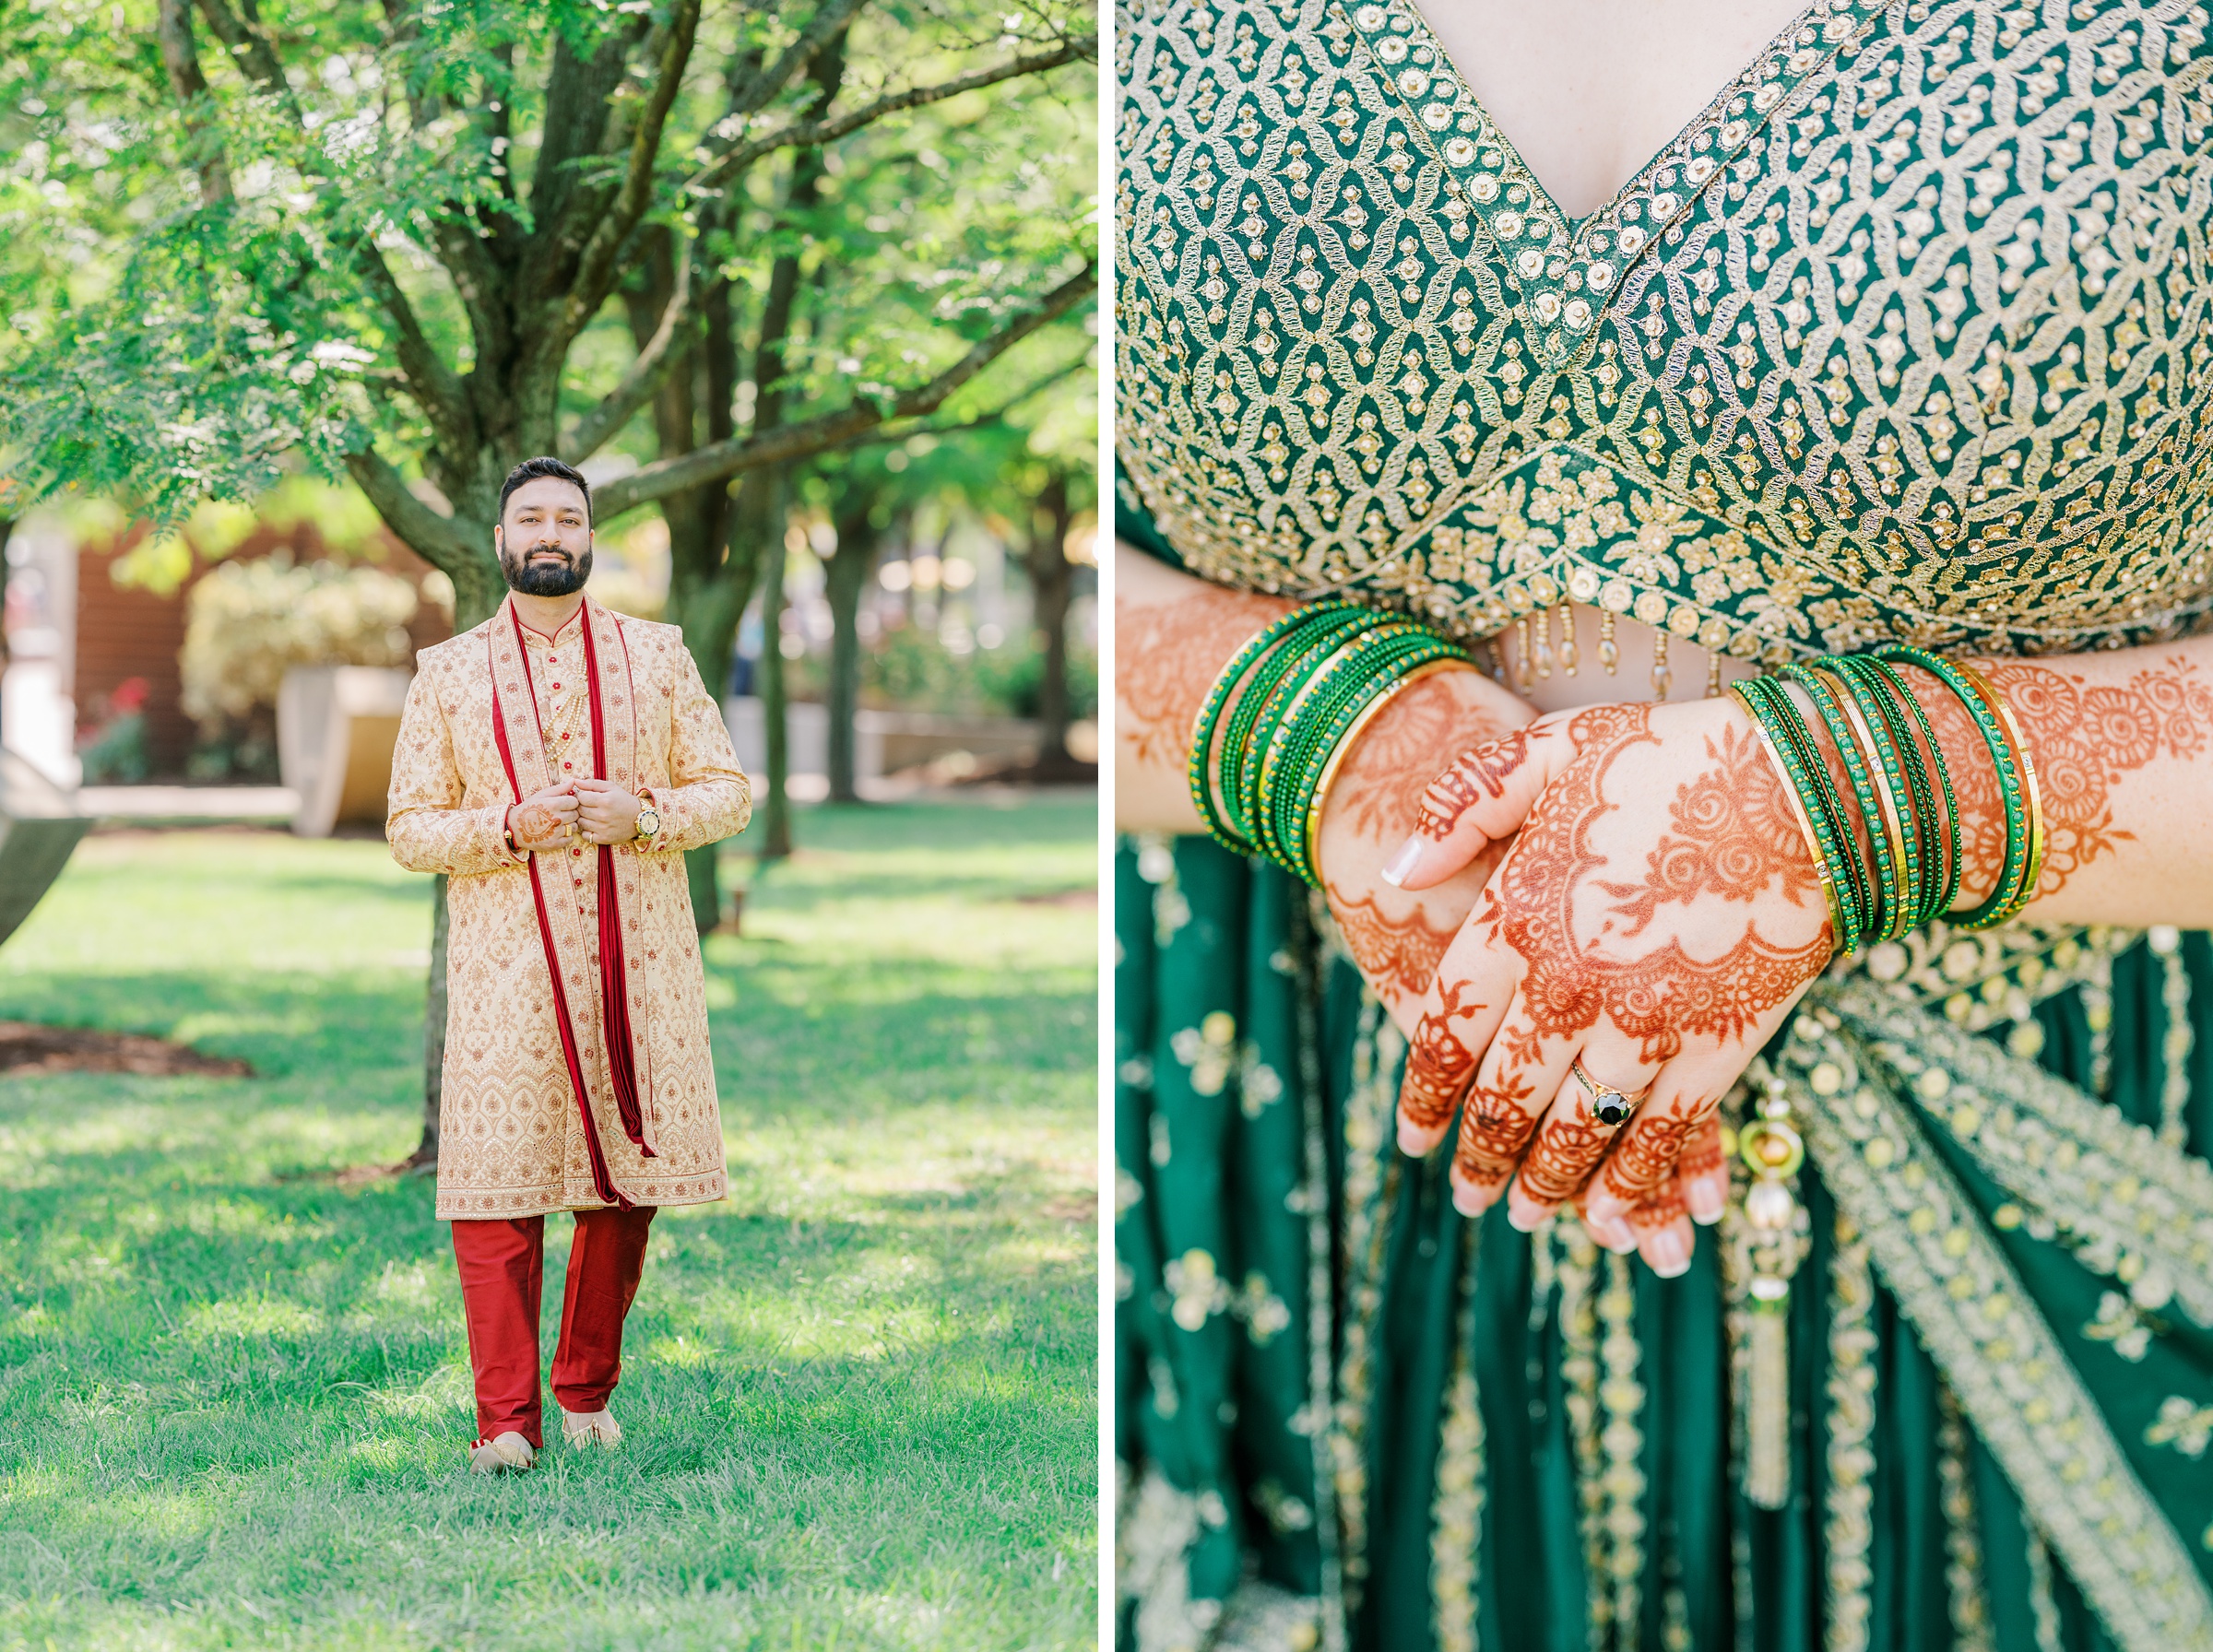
<point>131,664</point>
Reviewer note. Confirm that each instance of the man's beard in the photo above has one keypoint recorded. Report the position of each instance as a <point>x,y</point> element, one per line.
<point>544,579</point>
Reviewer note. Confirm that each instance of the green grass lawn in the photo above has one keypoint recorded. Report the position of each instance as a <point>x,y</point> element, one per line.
<point>859,1394</point>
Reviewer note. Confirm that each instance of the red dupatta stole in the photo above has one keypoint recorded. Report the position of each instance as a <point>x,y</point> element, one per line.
<point>615,1015</point>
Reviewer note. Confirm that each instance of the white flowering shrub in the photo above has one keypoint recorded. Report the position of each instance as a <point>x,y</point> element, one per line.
<point>247,623</point>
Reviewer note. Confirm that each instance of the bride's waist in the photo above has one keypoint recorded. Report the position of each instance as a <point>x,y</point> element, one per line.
<point>1579,653</point>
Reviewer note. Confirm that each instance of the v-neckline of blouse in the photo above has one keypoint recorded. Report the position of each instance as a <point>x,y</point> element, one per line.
<point>1566,269</point>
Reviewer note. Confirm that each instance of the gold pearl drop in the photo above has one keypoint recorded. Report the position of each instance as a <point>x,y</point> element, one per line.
<point>1609,651</point>
<point>1662,675</point>
<point>1568,656</point>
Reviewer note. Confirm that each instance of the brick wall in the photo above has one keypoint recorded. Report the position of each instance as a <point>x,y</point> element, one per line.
<point>122,633</point>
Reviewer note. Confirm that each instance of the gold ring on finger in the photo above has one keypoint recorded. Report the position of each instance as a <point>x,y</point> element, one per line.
<point>1610,1105</point>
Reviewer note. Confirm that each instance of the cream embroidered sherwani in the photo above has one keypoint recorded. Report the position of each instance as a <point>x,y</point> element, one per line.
<point>498,713</point>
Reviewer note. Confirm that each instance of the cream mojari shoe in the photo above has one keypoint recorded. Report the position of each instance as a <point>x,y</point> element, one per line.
<point>590,1428</point>
<point>501,1454</point>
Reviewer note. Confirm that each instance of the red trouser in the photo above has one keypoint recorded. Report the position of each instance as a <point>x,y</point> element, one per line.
<point>503,1270</point>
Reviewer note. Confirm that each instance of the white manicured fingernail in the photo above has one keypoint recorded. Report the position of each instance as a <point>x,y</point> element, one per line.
<point>1525,1215</point>
<point>1706,1200</point>
<point>1669,1255</point>
<point>1397,869</point>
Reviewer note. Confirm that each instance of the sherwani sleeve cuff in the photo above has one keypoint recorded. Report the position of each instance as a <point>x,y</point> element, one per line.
<point>459,841</point>
<point>427,828</point>
<point>709,797</point>
<point>703,812</point>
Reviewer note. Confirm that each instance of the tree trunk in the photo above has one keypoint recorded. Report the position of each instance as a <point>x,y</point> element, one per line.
<point>775,806</point>
<point>845,576</point>
<point>1052,582</point>
<point>755,517</point>
<point>7,529</point>
<point>433,1031</point>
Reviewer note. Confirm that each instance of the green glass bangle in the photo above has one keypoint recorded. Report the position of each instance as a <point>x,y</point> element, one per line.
<point>1246,771</point>
<point>1855,883</point>
<point>1789,744</point>
<point>1900,822</point>
<point>1826,703</point>
<point>1940,834</point>
<point>1278,681</point>
<point>1311,751</point>
<point>1373,659</point>
<point>2011,790</point>
<point>1300,723</point>
<point>1204,727</point>
<point>1793,792</point>
<point>1456,659</point>
<point>1828,804</point>
<point>2032,854</point>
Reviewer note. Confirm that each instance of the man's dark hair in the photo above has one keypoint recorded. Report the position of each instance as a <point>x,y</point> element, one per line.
<point>529,470</point>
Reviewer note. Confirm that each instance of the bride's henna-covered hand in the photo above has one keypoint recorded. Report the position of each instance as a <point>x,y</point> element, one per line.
<point>1657,915</point>
<point>1398,937</point>
<point>1173,637</point>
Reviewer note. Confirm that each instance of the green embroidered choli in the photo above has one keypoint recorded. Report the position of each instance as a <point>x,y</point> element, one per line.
<point>1907,336</point>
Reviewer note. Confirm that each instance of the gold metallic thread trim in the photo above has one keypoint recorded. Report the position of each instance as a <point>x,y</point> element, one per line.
<point>1979,1324</point>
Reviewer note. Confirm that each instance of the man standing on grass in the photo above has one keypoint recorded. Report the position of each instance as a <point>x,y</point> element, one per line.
<point>555,762</point>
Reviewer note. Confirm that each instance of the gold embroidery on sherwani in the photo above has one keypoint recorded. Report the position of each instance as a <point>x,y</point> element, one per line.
<point>510,1139</point>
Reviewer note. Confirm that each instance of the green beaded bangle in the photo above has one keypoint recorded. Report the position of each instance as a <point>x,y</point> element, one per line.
<point>1330,721</point>
<point>1902,824</point>
<point>1768,708</point>
<point>1826,703</point>
<point>1277,680</point>
<point>1204,727</point>
<point>1857,885</point>
<point>2012,790</point>
<point>1304,716</point>
<point>1904,713</point>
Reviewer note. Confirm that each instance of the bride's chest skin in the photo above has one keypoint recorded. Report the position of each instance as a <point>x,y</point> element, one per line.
<point>1589,90</point>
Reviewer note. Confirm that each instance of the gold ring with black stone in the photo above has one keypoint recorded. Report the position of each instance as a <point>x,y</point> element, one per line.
<point>1610,1105</point>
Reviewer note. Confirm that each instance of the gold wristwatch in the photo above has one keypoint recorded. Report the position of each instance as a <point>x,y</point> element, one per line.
<point>649,822</point>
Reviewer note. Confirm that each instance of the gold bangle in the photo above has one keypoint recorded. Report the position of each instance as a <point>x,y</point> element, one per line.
<point>2032,863</point>
<point>1345,746</point>
<point>1805,825</point>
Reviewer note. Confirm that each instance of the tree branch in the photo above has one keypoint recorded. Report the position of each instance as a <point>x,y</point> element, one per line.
<point>439,540</point>
<point>250,48</point>
<point>430,382</point>
<point>595,271</point>
<point>808,134</point>
<point>647,369</point>
<point>180,57</point>
<point>752,95</point>
<point>955,427</point>
<point>434,385</point>
<point>719,460</point>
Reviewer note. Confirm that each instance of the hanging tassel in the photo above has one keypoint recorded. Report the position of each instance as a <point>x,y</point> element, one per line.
<point>1767,1412</point>
<point>1773,1151</point>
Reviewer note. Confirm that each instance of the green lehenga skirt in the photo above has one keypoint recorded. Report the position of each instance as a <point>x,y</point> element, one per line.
<point>1349,1417</point>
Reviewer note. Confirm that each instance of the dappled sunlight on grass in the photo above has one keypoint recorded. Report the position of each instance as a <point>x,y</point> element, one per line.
<point>250,1317</point>
<point>859,1394</point>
